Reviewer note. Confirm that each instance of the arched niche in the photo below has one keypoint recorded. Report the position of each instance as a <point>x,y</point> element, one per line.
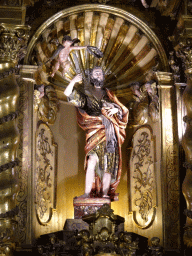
<point>131,49</point>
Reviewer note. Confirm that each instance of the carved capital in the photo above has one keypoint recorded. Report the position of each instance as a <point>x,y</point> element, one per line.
<point>13,42</point>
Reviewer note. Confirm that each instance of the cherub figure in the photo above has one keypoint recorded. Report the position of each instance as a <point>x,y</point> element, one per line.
<point>156,249</point>
<point>63,51</point>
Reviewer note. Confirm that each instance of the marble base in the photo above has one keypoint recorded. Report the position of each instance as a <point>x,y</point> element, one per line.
<point>86,206</point>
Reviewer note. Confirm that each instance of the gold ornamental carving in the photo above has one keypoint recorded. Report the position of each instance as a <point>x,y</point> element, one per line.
<point>46,103</point>
<point>8,231</point>
<point>13,41</point>
<point>45,174</point>
<point>142,178</point>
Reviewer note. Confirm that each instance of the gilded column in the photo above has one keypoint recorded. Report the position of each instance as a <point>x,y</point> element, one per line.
<point>169,161</point>
<point>13,41</point>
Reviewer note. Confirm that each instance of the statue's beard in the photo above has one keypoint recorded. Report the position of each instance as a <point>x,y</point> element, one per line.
<point>96,82</point>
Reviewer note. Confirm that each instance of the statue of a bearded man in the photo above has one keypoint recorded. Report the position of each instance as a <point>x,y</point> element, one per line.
<point>104,120</point>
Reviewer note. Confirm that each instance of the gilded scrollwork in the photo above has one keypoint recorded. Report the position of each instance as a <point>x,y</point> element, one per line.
<point>45,174</point>
<point>173,62</point>
<point>146,103</point>
<point>143,184</point>
<point>46,103</point>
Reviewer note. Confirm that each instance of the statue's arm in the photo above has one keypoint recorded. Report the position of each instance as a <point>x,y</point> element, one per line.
<point>78,47</point>
<point>69,88</point>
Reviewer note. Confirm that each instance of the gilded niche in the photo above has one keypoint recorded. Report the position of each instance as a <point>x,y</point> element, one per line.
<point>142,178</point>
<point>45,174</point>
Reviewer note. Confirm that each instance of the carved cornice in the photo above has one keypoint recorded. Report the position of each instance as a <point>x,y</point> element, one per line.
<point>13,42</point>
<point>164,79</point>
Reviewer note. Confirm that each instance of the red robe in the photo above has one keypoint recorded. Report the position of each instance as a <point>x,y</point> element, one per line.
<point>95,134</point>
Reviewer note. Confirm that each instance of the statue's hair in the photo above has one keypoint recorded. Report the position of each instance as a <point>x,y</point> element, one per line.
<point>66,38</point>
<point>97,67</point>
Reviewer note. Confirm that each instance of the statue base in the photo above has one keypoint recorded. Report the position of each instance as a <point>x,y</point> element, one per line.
<point>75,224</point>
<point>86,206</point>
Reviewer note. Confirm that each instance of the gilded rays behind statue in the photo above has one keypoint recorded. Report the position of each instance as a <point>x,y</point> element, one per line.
<point>89,52</point>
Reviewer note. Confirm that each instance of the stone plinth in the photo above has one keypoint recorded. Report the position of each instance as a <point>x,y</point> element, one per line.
<point>86,206</point>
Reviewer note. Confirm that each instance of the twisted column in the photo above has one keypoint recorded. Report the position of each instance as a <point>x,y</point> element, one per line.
<point>13,40</point>
<point>187,146</point>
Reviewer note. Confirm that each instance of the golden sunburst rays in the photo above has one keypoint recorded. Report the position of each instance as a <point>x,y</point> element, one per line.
<point>129,52</point>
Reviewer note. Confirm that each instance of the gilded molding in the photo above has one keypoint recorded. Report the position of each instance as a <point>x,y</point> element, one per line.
<point>24,151</point>
<point>164,79</point>
<point>169,160</point>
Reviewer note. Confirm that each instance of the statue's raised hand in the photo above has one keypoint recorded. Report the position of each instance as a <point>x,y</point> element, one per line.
<point>78,78</point>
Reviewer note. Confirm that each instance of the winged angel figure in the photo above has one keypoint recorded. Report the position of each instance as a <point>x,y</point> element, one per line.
<point>63,50</point>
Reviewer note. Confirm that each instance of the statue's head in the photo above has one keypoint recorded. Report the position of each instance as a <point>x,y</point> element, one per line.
<point>67,38</point>
<point>97,77</point>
